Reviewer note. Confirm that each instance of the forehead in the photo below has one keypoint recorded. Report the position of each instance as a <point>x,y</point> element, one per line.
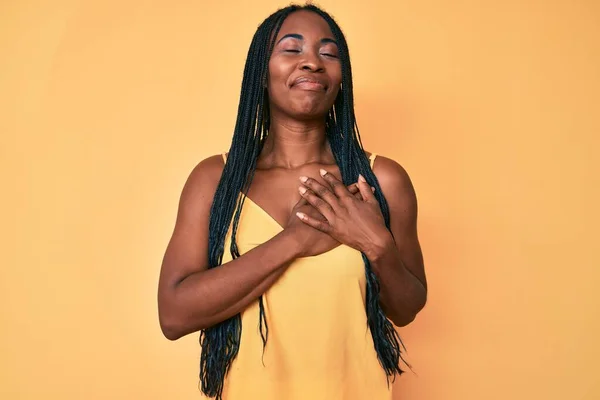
<point>307,24</point>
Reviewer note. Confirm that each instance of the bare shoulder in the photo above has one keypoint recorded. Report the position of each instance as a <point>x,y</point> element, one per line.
<point>391,175</point>
<point>209,168</point>
<point>396,184</point>
<point>187,251</point>
<point>203,180</point>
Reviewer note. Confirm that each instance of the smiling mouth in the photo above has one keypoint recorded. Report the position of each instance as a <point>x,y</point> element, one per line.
<point>309,84</point>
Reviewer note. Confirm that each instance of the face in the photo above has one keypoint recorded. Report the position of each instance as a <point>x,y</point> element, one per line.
<point>304,70</point>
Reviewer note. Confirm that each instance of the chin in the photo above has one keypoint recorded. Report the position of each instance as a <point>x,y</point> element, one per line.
<point>312,110</point>
<point>308,115</point>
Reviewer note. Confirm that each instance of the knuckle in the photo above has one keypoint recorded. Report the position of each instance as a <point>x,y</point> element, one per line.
<point>346,200</point>
<point>319,203</point>
<point>322,226</point>
<point>321,191</point>
<point>310,182</point>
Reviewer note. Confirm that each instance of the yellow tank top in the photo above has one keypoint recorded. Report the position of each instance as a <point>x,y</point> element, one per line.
<point>319,345</point>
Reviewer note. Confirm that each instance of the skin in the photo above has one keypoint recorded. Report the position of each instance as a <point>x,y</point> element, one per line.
<point>395,256</point>
<point>304,80</point>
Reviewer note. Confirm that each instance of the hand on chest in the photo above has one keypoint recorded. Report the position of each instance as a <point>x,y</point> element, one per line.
<point>275,191</point>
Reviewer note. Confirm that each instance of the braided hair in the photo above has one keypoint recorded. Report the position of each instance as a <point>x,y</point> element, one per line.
<point>220,343</point>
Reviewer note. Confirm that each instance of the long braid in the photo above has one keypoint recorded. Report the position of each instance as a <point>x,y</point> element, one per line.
<point>220,343</point>
<point>347,147</point>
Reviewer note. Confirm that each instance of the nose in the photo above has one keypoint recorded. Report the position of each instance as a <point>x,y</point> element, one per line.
<point>312,62</point>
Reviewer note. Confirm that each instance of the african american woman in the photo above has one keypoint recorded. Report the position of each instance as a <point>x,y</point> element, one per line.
<point>296,253</point>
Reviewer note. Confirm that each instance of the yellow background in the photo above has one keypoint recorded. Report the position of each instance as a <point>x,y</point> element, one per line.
<point>492,107</point>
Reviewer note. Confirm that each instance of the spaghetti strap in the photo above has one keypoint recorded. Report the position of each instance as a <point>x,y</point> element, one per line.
<point>372,159</point>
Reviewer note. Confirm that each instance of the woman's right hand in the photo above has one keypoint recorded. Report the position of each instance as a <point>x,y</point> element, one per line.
<point>310,241</point>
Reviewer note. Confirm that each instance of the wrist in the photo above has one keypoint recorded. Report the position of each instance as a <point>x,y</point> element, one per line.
<point>379,245</point>
<point>290,243</point>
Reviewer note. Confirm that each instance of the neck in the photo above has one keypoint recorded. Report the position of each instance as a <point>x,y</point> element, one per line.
<point>292,144</point>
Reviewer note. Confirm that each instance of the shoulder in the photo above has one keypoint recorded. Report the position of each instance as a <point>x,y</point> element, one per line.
<point>390,173</point>
<point>204,178</point>
<point>394,180</point>
<point>210,167</point>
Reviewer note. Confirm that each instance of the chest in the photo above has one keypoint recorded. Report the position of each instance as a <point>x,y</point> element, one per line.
<point>275,191</point>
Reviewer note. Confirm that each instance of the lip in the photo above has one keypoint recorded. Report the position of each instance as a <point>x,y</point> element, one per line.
<point>309,83</point>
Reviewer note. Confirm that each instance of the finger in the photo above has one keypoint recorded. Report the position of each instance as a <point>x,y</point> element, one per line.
<point>317,202</point>
<point>354,188</point>
<point>366,190</point>
<point>301,202</point>
<point>323,226</point>
<point>355,191</point>
<point>336,185</point>
<point>321,191</point>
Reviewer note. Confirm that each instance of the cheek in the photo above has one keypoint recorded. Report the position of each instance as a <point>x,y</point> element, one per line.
<point>274,87</point>
<point>276,83</point>
<point>336,76</point>
<point>277,72</point>
<point>336,83</point>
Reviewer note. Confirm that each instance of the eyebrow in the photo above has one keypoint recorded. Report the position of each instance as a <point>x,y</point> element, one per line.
<point>300,37</point>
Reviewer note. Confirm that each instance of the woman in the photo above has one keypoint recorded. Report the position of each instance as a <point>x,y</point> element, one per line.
<point>286,255</point>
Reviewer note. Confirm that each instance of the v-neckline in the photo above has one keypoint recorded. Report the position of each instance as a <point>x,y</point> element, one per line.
<point>277,225</point>
<point>264,212</point>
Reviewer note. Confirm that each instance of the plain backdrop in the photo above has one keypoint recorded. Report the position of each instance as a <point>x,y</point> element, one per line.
<point>491,106</point>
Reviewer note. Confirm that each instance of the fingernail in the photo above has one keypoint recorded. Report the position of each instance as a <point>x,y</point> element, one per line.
<point>372,189</point>
<point>361,178</point>
<point>323,172</point>
<point>300,215</point>
<point>302,189</point>
<point>303,179</point>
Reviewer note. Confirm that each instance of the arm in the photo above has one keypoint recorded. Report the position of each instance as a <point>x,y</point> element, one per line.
<point>397,260</point>
<point>190,296</point>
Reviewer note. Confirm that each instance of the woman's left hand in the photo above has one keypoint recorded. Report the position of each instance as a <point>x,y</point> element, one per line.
<point>353,222</point>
